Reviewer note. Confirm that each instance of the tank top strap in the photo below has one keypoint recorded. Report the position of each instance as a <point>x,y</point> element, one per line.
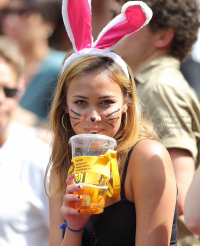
<point>125,170</point>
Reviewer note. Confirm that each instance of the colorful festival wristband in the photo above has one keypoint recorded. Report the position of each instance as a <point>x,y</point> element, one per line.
<point>65,224</point>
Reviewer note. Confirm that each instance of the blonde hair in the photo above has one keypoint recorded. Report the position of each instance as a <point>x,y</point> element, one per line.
<point>133,128</point>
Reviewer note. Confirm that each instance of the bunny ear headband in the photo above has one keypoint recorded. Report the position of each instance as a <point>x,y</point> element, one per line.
<point>78,23</point>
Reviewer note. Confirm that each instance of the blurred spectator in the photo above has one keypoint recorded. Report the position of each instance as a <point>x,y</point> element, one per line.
<point>24,218</point>
<point>30,23</point>
<point>102,12</point>
<point>154,54</point>
<point>191,67</point>
<point>192,205</point>
<point>59,39</point>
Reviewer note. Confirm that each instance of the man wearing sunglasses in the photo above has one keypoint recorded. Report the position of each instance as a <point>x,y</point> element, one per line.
<point>24,216</point>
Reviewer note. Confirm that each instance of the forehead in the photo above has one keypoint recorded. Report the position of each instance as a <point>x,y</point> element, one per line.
<point>8,76</point>
<point>95,82</point>
<point>17,4</point>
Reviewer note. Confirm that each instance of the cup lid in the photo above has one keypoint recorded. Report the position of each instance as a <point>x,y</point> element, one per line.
<point>91,137</point>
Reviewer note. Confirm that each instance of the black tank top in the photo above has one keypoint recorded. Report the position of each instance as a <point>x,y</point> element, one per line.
<point>116,226</point>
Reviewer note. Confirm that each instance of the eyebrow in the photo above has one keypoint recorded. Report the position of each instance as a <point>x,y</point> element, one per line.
<point>98,97</point>
<point>105,97</point>
<point>81,96</point>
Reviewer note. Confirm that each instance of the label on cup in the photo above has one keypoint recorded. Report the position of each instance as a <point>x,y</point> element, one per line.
<point>91,178</point>
<point>96,170</point>
<point>91,164</point>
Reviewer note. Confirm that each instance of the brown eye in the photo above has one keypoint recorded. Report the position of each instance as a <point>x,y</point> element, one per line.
<point>107,102</point>
<point>81,102</point>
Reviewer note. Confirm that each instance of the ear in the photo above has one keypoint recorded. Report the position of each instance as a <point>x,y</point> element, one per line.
<point>164,38</point>
<point>134,16</point>
<point>78,22</point>
<point>21,85</point>
<point>124,107</point>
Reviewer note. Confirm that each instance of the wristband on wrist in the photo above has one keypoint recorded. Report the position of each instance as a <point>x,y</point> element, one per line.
<point>65,224</point>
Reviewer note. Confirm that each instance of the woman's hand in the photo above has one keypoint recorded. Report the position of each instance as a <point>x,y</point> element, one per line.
<point>76,220</point>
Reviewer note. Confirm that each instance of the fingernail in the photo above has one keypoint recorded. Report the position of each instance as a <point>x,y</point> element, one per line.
<point>79,211</point>
<point>79,197</point>
<point>79,186</point>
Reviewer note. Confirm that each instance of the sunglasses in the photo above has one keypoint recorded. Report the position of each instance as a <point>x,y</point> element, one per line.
<point>19,12</point>
<point>9,92</point>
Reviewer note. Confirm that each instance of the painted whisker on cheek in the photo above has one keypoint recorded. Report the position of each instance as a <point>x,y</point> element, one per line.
<point>113,119</point>
<point>74,112</point>
<point>74,118</point>
<point>113,112</point>
<point>77,123</point>
<point>110,124</point>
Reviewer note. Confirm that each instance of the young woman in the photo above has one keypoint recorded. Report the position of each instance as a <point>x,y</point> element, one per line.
<point>96,93</point>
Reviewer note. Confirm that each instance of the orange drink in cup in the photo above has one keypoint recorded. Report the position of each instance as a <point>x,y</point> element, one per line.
<point>93,199</point>
<point>92,159</point>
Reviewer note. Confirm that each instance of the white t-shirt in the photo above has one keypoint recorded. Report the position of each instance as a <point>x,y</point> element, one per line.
<point>24,215</point>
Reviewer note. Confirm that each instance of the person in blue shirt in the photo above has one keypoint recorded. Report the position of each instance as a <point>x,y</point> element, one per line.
<point>30,23</point>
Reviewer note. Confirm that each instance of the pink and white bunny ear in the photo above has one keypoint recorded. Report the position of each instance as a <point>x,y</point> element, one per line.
<point>78,22</point>
<point>134,15</point>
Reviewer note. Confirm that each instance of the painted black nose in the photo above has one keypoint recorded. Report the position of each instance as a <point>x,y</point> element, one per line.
<point>93,119</point>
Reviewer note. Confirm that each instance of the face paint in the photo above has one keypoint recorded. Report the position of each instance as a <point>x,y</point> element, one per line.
<point>113,112</point>
<point>114,119</point>
<point>74,117</point>
<point>117,118</point>
<point>110,124</point>
<point>76,124</point>
<point>74,112</point>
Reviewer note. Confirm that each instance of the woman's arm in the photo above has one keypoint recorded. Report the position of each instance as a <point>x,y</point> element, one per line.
<point>192,205</point>
<point>154,192</point>
<point>60,210</point>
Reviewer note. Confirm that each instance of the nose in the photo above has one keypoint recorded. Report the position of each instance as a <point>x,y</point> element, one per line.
<point>93,116</point>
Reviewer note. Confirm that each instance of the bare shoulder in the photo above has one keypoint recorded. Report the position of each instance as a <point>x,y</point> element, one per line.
<point>150,171</point>
<point>152,157</point>
<point>147,150</point>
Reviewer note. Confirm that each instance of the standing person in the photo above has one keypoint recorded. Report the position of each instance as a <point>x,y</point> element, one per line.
<point>30,23</point>
<point>154,54</point>
<point>96,84</point>
<point>24,218</point>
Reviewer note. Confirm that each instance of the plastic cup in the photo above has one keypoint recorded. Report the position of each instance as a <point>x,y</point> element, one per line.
<point>94,185</point>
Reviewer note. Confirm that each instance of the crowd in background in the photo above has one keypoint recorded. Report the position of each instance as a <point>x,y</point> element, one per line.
<point>36,31</point>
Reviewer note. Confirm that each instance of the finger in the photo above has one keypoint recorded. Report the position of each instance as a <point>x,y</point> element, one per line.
<point>73,187</point>
<point>66,211</point>
<point>69,198</point>
<point>70,179</point>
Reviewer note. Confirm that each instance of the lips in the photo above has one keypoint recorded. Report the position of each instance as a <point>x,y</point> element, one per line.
<point>93,131</point>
